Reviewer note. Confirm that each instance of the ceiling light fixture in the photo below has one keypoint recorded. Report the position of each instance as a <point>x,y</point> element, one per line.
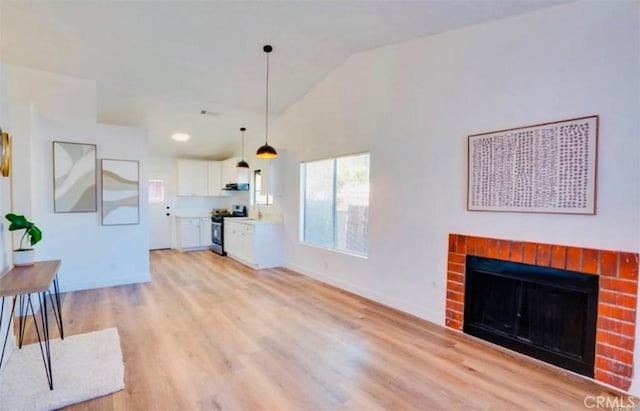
<point>266,151</point>
<point>242,163</point>
<point>180,136</point>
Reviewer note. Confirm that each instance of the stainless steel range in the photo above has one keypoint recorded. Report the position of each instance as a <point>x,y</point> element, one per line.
<point>217,228</point>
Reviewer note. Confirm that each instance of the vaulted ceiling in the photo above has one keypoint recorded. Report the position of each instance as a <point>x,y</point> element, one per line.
<point>158,63</point>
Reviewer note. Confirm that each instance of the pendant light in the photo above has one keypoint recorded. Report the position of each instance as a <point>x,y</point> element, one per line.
<point>242,163</point>
<point>266,151</point>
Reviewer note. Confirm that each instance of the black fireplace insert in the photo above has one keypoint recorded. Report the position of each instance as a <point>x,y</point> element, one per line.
<point>543,312</point>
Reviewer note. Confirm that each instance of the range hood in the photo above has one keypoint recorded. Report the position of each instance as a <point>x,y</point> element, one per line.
<point>234,178</point>
<point>236,187</point>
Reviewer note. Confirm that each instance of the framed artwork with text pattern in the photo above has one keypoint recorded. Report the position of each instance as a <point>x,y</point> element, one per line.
<point>543,168</point>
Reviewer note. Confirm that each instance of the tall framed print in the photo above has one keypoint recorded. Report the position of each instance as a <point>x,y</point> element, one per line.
<point>120,192</point>
<point>74,177</point>
<point>545,168</point>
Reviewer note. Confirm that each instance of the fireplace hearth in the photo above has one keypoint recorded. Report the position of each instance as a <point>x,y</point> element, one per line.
<point>542,312</point>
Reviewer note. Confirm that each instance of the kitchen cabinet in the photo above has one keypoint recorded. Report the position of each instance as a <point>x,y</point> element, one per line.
<point>232,239</point>
<point>214,179</point>
<point>188,233</point>
<point>200,178</point>
<point>193,233</point>
<point>205,232</point>
<point>254,243</point>
<point>229,172</point>
<point>192,178</point>
<point>272,172</point>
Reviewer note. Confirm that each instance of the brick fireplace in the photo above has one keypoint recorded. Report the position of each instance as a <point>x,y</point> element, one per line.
<point>618,289</point>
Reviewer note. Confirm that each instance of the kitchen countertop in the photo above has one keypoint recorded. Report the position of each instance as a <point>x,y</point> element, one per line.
<point>251,221</point>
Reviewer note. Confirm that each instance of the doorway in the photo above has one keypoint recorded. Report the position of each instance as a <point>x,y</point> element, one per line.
<point>160,211</point>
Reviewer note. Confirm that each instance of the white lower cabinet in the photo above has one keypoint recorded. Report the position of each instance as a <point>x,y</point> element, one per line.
<point>193,233</point>
<point>205,232</point>
<point>232,239</point>
<point>256,244</point>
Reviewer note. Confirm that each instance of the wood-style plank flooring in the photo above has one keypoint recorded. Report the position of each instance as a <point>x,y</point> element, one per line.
<point>208,333</point>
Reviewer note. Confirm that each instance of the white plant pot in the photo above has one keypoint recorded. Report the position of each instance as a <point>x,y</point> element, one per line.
<point>23,258</point>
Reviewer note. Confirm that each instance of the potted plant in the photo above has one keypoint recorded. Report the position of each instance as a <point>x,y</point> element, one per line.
<point>24,256</point>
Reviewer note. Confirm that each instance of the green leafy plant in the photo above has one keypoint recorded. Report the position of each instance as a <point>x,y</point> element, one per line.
<point>19,222</point>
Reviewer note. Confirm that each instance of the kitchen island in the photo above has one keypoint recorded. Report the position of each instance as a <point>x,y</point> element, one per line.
<point>256,243</point>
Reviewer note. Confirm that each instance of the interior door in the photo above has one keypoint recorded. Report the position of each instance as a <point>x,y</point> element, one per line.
<point>160,211</point>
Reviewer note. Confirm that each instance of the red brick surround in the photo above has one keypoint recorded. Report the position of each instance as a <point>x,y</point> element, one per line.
<point>617,298</point>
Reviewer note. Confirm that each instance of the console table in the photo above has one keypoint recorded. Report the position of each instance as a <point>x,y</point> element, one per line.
<point>20,283</point>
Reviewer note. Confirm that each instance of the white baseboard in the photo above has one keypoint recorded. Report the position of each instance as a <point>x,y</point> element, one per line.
<point>400,305</point>
<point>104,282</point>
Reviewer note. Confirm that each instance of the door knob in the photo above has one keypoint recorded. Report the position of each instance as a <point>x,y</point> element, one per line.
<point>168,214</point>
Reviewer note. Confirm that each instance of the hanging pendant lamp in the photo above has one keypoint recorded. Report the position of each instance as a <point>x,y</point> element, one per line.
<point>242,163</point>
<point>266,151</point>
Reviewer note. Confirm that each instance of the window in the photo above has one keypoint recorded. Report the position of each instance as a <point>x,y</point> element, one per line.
<point>156,191</point>
<point>335,203</point>
<point>258,197</point>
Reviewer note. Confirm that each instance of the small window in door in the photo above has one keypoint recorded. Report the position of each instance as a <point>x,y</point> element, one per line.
<point>156,191</point>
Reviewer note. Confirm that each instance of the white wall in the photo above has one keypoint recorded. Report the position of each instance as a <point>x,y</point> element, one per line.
<point>5,240</point>
<point>63,97</point>
<point>20,123</point>
<point>413,104</point>
<point>92,255</point>
<point>48,107</point>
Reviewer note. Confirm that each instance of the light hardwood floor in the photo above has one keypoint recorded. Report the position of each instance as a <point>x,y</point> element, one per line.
<point>208,333</point>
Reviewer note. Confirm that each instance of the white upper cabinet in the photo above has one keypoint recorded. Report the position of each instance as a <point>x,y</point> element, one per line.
<point>192,178</point>
<point>209,178</point>
<point>200,178</point>
<point>229,172</point>
<point>215,178</point>
<point>242,175</point>
<point>272,172</point>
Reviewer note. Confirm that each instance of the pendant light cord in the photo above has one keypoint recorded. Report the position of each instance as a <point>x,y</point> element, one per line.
<point>266,151</point>
<point>242,144</point>
<point>266,119</point>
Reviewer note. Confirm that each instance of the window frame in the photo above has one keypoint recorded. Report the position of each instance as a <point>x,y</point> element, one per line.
<point>256,194</point>
<point>302,199</point>
<point>156,200</point>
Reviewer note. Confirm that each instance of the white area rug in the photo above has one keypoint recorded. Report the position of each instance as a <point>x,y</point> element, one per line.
<point>84,366</point>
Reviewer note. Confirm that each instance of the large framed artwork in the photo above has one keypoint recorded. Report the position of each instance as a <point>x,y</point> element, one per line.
<point>74,177</point>
<point>544,168</point>
<point>120,192</point>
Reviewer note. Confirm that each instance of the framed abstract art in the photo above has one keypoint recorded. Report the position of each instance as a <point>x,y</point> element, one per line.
<point>120,192</point>
<point>74,177</point>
